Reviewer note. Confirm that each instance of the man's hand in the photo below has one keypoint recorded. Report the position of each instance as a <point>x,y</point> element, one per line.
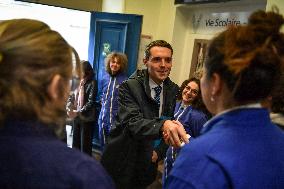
<point>174,133</point>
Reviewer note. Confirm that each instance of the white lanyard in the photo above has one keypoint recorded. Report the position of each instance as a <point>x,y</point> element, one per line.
<point>178,115</point>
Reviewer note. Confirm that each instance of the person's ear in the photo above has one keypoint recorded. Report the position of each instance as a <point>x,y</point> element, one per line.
<point>145,61</point>
<point>217,84</point>
<point>53,88</point>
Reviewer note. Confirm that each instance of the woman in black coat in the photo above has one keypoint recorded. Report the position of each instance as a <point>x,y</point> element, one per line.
<point>81,107</point>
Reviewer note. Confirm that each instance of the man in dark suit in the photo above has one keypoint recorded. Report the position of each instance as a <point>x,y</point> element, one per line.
<point>146,106</point>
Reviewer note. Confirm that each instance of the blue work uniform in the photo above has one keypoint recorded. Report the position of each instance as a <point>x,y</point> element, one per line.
<point>193,121</point>
<point>237,149</point>
<point>109,104</point>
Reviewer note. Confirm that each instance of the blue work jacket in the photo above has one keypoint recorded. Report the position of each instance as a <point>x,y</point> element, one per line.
<point>238,149</point>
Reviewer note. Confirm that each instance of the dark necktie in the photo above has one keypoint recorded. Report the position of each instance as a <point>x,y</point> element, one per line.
<point>157,90</point>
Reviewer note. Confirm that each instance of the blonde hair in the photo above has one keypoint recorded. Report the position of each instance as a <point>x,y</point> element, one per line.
<point>31,55</point>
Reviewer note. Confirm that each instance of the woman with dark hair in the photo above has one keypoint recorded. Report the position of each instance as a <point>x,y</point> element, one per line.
<point>116,65</point>
<point>36,77</point>
<point>239,147</point>
<point>81,107</point>
<point>188,112</point>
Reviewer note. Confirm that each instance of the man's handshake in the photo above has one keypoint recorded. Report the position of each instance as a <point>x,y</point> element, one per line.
<point>174,134</point>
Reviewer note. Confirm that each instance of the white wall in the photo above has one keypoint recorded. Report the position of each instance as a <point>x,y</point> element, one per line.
<point>179,43</point>
<point>150,9</point>
<point>278,3</point>
<point>166,21</point>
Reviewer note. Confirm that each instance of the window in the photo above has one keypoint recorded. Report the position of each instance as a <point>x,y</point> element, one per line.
<point>73,25</point>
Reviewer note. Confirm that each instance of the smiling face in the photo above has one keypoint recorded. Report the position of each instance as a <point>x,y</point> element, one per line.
<point>190,92</point>
<point>114,65</point>
<point>159,63</point>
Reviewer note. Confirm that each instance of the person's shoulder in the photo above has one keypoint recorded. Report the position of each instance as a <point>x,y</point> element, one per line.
<point>84,171</point>
<point>178,103</point>
<point>198,146</point>
<point>199,165</point>
<point>91,82</point>
<point>193,157</point>
<point>123,75</point>
<point>168,82</point>
<point>206,143</point>
<point>91,173</point>
<point>55,159</point>
<point>106,76</point>
<point>141,74</point>
<point>198,113</point>
<point>137,77</point>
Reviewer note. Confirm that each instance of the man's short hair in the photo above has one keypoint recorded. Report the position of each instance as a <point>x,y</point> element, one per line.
<point>156,43</point>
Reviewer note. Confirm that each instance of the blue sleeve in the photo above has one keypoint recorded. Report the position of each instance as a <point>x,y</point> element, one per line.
<point>205,173</point>
<point>197,121</point>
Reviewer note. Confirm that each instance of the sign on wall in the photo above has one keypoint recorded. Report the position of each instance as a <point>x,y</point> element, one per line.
<point>210,23</point>
<point>144,41</point>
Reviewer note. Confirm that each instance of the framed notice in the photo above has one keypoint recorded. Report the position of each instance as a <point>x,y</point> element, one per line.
<point>144,41</point>
<point>198,57</point>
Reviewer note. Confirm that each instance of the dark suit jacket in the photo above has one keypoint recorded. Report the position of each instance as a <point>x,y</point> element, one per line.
<point>127,157</point>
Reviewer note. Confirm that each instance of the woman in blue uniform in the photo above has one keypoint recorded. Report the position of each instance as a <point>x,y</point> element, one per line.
<point>35,80</point>
<point>188,113</point>
<point>239,147</point>
<point>116,64</point>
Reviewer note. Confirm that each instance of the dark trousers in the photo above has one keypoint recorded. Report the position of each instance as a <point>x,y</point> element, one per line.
<point>82,135</point>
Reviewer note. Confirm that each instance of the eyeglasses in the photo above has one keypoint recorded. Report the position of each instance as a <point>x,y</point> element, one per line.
<point>160,59</point>
<point>193,91</point>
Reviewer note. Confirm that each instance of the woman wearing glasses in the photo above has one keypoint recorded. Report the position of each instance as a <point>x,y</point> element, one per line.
<point>35,70</point>
<point>188,112</point>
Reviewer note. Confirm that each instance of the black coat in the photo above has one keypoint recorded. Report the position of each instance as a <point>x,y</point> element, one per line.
<point>127,156</point>
<point>87,112</point>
